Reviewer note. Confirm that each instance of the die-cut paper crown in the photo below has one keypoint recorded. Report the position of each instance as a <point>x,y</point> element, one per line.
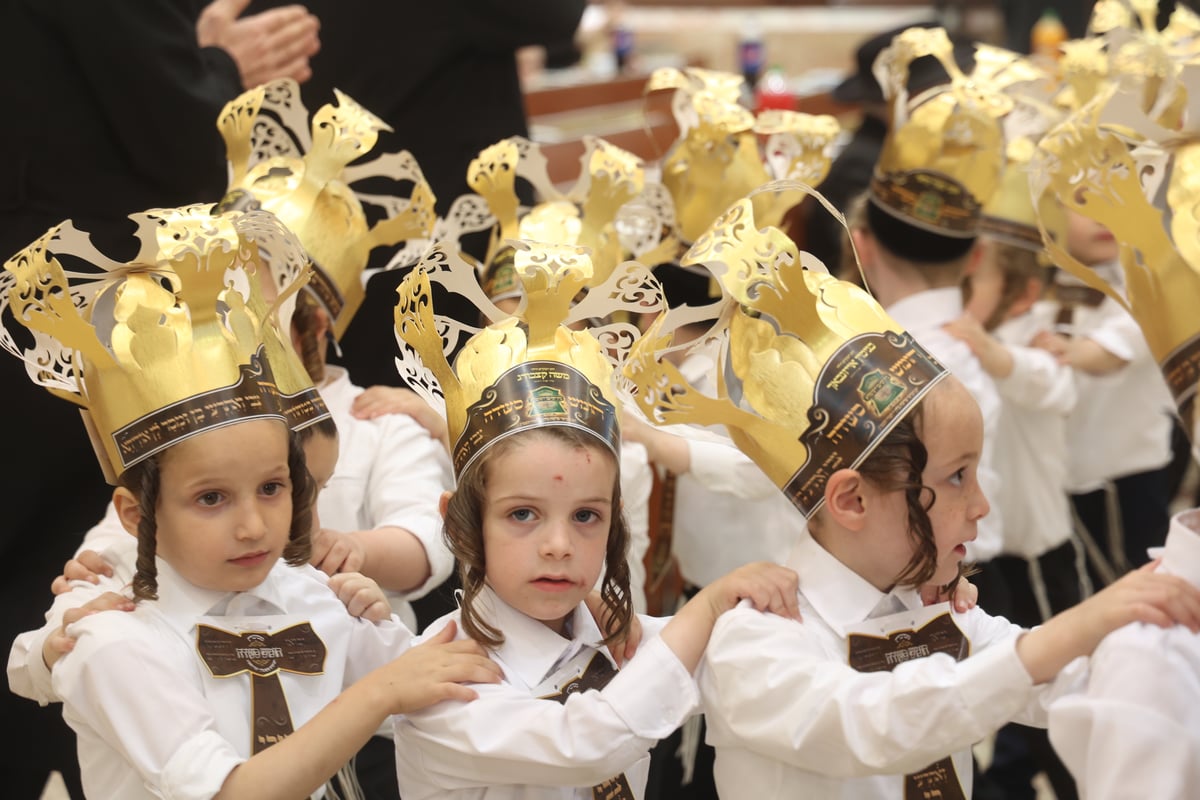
<point>717,157</point>
<point>306,178</point>
<point>178,341</point>
<point>1114,163</point>
<point>943,155</point>
<point>529,369</point>
<point>812,373</point>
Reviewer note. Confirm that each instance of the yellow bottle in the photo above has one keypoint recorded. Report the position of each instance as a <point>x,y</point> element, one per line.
<point>1047,36</point>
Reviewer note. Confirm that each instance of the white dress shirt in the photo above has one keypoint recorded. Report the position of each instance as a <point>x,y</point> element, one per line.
<point>1135,732</point>
<point>389,471</point>
<point>1121,424</point>
<point>1031,441</point>
<point>636,482</point>
<point>509,743</point>
<point>923,315</point>
<point>790,718</point>
<point>151,720</point>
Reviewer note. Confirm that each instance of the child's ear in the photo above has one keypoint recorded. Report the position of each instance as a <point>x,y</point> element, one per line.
<point>1030,295</point>
<point>844,500</point>
<point>129,511</point>
<point>444,503</point>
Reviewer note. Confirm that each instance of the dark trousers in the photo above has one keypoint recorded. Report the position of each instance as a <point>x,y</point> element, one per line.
<point>1143,514</point>
<point>1021,752</point>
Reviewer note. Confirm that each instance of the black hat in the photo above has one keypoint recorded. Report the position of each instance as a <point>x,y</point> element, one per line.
<point>924,73</point>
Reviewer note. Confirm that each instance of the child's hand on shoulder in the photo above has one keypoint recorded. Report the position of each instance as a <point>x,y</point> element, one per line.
<point>87,565</point>
<point>361,596</point>
<point>334,552</point>
<point>963,594</point>
<point>59,643</point>
<point>769,587</point>
<point>436,670</point>
<point>992,354</point>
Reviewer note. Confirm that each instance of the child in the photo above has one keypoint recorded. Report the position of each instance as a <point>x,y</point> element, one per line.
<point>1122,393</point>
<point>884,467</point>
<point>217,492</point>
<point>1041,563</point>
<point>535,522</point>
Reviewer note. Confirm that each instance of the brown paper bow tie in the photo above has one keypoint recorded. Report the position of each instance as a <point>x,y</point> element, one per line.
<point>883,654</point>
<point>297,649</point>
<point>597,675</point>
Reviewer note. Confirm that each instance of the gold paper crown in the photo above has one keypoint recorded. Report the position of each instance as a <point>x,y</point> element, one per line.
<point>944,152</point>
<point>305,179</point>
<point>1112,163</point>
<point>524,370</point>
<point>717,158</point>
<point>813,373</point>
<point>174,343</point>
<point>610,210</point>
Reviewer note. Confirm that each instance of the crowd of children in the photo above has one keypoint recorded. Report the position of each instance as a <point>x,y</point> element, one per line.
<point>983,406</point>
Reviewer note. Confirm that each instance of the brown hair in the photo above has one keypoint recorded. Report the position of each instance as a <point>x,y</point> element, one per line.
<point>896,464</point>
<point>1019,265</point>
<point>463,532</point>
<point>304,323</point>
<point>144,481</point>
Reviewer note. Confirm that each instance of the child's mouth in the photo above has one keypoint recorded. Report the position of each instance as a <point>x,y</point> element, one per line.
<point>250,559</point>
<point>553,584</point>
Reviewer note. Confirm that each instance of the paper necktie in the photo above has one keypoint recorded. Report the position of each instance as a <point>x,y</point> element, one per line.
<point>296,649</point>
<point>596,676</point>
<point>882,654</point>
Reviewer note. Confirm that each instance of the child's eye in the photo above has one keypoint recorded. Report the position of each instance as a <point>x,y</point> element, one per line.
<point>209,499</point>
<point>584,515</point>
<point>272,488</point>
<point>958,477</point>
<point>522,514</point>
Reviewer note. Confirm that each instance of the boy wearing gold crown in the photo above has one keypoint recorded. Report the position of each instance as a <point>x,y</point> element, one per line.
<point>873,694</point>
<point>535,522</point>
<point>919,221</point>
<point>189,394</point>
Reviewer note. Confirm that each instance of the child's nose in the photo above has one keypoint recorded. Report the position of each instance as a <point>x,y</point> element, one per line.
<point>251,524</point>
<point>556,541</point>
<point>979,504</point>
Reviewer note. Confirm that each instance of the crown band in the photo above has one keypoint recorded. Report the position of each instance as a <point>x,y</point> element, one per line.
<point>535,394</point>
<point>253,396</point>
<point>869,384</point>
<point>928,200</point>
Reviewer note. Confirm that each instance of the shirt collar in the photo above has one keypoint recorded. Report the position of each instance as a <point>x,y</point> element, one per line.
<point>180,598</point>
<point>931,308</point>
<point>531,649</point>
<point>1181,556</point>
<point>839,595</point>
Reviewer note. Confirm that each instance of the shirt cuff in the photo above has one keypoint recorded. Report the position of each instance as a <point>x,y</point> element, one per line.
<point>653,693</point>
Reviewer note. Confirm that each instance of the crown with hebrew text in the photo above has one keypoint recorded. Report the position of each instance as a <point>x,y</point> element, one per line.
<point>305,177</point>
<point>533,368</point>
<point>717,157</point>
<point>812,373</point>
<point>177,341</point>
<point>943,155</point>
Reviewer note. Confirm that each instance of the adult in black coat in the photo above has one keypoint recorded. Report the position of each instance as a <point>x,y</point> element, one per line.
<point>110,108</point>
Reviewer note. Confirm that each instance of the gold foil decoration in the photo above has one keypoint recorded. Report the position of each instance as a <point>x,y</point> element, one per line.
<point>1114,164</point>
<point>718,159</point>
<point>175,342</point>
<point>539,366</point>
<point>944,153</point>
<point>813,373</point>
<point>305,177</point>
<point>610,180</point>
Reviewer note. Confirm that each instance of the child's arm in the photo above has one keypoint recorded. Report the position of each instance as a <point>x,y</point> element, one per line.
<point>508,737</point>
<point>378,401</point>
<point>1083,354</point>
<point>768,587</point>
<point>785,691</point>
<point>1029,377</point>
<point>397,480</point>
<point>423,676</point>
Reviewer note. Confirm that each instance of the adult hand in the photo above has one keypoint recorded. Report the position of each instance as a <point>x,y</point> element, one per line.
<point>272,44</point>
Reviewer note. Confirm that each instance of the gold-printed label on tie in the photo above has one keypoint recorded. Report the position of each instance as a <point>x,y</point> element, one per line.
<point>868,653</point>
<point>1181,370</point>
<point>597,675</point>
<point>297,649</point>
